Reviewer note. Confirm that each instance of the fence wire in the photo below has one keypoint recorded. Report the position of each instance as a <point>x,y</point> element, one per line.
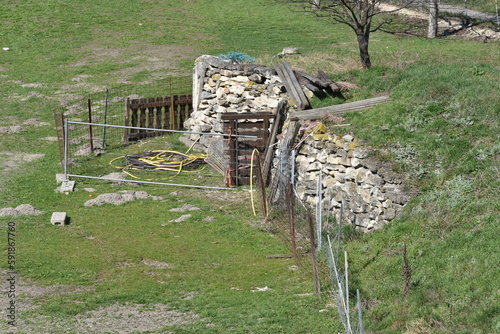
<point>314,238</point>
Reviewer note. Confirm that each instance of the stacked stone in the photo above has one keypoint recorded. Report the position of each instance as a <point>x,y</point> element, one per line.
<point>371,192</point>
<point>228,87</point>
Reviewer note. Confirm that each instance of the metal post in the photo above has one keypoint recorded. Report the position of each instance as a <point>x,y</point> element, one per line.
<point>90,127</point>
<point>319,209</point>
<point>66,142</point>
<point>236,171</point>
<point>360,315</point>
<point>293,222</point>
<point>340,229</point>
<point>347,310</point>
<point>105,117</point>
<point>313,255</point>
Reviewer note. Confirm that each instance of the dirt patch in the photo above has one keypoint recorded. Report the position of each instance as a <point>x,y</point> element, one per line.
<point>154,58</point>
<point>180,219</point>
<point>447,27</point>
<point>12,161</point>
<point>33,94</point>
<point>130,318</point>
<point>27,291</point>
<point>116,318</point>
<point>35,122</point>
<point>120,198</point>
<point>155,264</point>
<point>184,208</point>
<point>11,129</point>
<point>20,210</point>
<point>32,85</point>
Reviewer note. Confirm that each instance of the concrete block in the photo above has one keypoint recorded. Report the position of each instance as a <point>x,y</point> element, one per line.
<point>60,178</point>
<point>58,218</point>
<point>67,186</point>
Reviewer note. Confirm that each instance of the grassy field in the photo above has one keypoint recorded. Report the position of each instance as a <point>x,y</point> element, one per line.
<point>115,264</point>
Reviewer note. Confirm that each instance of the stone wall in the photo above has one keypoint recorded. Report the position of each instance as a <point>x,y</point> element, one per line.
<point>371,192</point>
<point>219,86</point>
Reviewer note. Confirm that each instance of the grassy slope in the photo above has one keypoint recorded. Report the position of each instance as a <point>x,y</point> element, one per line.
<point>437,92</point>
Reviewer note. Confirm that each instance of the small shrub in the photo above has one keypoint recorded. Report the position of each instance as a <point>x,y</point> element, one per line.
<point>237,57</point>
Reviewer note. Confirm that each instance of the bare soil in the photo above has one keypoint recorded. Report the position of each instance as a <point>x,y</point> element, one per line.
<point>451,28</point>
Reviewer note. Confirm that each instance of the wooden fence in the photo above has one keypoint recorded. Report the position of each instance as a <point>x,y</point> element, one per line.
<point>239,150</point>
<point>156,113</point>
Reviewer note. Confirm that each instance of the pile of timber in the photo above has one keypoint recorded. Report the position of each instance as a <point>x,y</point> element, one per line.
<point>297,83</point>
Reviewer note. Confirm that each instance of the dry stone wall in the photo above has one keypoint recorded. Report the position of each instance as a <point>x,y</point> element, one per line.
<point>220,86</point>
<point>371,193</point>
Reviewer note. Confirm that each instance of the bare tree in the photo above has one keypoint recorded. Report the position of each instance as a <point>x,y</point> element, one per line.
<point>357,14</point>
<point>433,19</point>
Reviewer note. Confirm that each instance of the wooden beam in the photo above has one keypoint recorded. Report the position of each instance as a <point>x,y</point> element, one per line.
<point>292,86</point>
<point>275,129</point>
<point>337,110</point>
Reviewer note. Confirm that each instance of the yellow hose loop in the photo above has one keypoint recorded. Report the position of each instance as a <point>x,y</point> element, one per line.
<point>251,180</point>
<point>163,163</point>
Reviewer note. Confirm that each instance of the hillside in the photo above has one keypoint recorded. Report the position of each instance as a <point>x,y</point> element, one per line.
<point>136,267</point>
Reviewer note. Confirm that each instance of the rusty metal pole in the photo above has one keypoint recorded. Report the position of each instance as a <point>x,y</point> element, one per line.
<point>262,186</point>
<point>173,116</point>
<point>90,127</point>
<point>313,254</point>
<point>291,213</point>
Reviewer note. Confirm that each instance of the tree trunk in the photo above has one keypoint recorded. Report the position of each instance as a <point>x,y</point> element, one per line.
<point>363,49</point>
<point>316,4</point>
<point>433,17</point>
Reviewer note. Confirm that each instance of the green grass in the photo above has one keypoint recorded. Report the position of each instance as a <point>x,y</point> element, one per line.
<point>441,127</point>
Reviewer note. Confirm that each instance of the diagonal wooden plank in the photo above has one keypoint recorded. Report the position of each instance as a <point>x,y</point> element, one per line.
<point>337,110</point>
<point>303,101</point>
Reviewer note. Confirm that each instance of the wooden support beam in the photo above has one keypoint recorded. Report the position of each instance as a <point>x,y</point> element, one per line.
<point>337,110</point>
<point>292,86</point>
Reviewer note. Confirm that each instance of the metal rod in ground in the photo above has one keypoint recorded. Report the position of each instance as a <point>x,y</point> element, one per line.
<point>340,229</point>
<point>319,209</point>
<point>360,315</point>
<point>105,119</point>
<point>291,212</point>
<point>90,126</point>
<point>348,316</point>
<point>262,186</point>
<point>341,307</point>
<point>162,130</point>
<point>237,167</point>
<point>313,254</point>
<point>66,146</point>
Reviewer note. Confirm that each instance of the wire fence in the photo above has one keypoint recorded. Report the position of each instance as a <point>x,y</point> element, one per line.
<point>136,131</point>
<point>315,240</point>
<point>111,106</point>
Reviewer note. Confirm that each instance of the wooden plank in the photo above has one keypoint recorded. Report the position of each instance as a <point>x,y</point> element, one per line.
<point>126,121</point>
<point>291,89</point>
<point>246,116</point>
<point>166,117</point>
<point>278,256</point>
<point>286,144</point>
<point>330,83</point>
<point>337,110</point>
<point>302,99</point>
<point>268,154</point>
<point>317,81</point>
<point>230,178</point>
